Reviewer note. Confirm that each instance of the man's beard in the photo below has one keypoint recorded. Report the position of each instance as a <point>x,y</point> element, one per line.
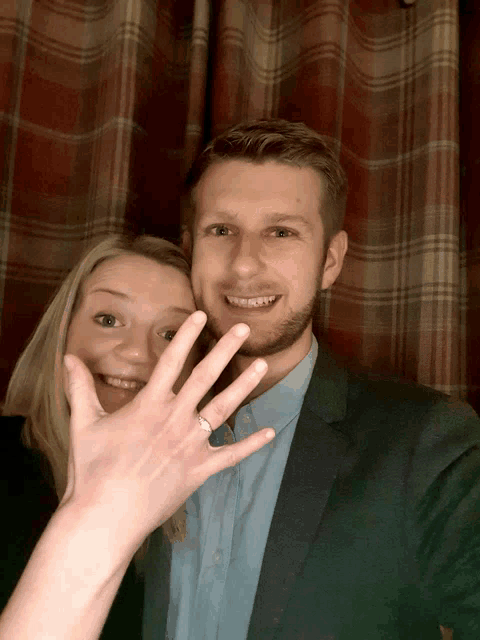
<point>280,337</point>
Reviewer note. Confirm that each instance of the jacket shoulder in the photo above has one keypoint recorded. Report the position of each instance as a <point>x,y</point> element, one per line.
<point>377,401</point>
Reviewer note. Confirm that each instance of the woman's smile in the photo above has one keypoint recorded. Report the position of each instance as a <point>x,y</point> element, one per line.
<point>129,384</point>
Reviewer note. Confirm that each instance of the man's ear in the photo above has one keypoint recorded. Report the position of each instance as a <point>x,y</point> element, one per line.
<point>334,260</point>
<point>187,244</point>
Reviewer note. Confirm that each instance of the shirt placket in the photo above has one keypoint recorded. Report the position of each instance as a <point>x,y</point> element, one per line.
<point>216,555</point>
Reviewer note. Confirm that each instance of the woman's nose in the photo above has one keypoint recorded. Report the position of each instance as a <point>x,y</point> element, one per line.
<point>136,345</point>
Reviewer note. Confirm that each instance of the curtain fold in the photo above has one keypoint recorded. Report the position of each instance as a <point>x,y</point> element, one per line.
<point>104,105</point>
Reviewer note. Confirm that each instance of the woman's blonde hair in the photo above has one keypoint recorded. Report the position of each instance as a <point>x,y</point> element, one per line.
<point>36,386</point>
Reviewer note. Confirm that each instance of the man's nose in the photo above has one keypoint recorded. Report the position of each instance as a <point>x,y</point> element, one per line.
<point>247,255</point>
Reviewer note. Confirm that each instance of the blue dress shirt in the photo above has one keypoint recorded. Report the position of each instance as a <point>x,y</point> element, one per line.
<point>215,570</point>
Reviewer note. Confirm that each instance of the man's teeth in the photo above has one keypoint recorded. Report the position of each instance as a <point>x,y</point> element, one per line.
<point>131,385</point>
<point>251,302</point>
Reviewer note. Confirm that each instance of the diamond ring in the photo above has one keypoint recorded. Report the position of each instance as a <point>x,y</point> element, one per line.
<point>206,426</point>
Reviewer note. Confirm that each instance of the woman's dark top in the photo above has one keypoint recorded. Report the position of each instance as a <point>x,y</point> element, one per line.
<point>27,502</point>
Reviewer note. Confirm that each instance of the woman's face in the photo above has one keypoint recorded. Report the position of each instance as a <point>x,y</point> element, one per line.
<point>129,310</point>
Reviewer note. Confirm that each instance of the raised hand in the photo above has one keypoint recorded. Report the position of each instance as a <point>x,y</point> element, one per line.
<point>139,464</point>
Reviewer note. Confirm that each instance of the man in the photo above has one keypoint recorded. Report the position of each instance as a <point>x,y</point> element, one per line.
<point>361,519</point>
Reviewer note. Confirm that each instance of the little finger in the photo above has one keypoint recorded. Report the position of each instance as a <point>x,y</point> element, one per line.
<point>229,455</point>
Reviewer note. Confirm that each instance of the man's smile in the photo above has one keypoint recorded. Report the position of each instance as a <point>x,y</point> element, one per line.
<point>251,303</point>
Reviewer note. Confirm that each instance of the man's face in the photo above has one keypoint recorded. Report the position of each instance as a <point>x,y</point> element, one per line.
<point>258,251</point>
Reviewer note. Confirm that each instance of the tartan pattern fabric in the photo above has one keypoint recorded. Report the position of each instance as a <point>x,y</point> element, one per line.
<point>105,104</point>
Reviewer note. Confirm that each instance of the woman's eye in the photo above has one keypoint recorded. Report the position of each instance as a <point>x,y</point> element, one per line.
<point>168,335</point>
<point>107,320</point>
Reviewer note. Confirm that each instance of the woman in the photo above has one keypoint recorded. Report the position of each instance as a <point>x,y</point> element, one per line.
<point>116,478</point>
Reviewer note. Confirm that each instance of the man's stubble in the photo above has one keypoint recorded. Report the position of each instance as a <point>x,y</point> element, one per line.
<point>281,336</point>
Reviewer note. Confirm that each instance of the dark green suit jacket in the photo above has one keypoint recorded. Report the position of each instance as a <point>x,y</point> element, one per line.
<point>376,529</point>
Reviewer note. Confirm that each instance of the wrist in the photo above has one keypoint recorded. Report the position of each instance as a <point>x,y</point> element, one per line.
<point>92,532</point>
<point>70,580</point>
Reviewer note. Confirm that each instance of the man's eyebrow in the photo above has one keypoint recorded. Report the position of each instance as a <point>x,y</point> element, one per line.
<point>281,218</point>
<point>271,218</point>
<point>222,214</point>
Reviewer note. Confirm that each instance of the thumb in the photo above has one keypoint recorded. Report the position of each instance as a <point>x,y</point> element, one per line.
<point>80,391</point>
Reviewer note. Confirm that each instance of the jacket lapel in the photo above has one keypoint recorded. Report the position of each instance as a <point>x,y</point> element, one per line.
<point>315,454</point>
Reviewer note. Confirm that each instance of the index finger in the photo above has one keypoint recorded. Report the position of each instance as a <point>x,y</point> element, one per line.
<point>170,363</point>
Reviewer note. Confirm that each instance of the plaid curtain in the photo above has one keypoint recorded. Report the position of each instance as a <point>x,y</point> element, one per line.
<point>105,104</point>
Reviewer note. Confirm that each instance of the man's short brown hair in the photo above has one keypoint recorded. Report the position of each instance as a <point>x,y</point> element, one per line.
<point>290,143</point>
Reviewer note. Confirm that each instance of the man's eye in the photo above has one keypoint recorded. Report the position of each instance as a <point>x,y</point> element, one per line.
<point>219,230</point>
<point>168,335</point>
<point>282,233</point>
<point>107,320</point>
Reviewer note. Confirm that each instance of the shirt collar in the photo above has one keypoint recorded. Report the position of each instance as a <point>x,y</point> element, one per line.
<point>279,405</point>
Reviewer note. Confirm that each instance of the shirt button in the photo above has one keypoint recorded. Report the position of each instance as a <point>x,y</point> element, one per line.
<point>217,557</point>
<point>246,418</point>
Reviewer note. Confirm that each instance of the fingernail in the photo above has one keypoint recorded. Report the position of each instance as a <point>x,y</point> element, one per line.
<point>260,365</point>
<point>199,317</point>
<point>270,434</point>
<point>241,330</point>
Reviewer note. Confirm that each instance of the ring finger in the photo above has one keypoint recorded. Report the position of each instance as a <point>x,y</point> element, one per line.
<point>218,410</point>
